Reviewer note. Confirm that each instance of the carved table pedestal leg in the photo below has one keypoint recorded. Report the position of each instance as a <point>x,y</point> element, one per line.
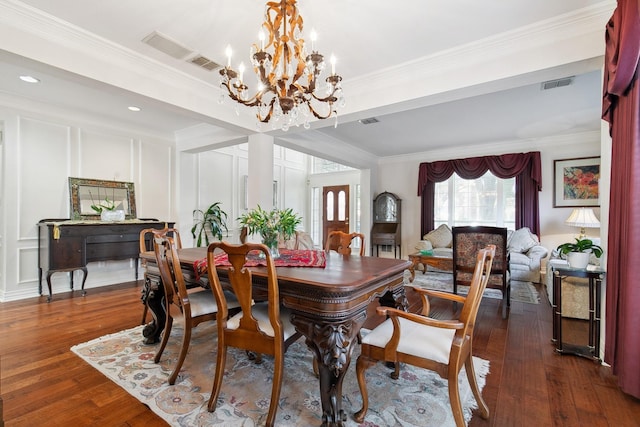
<point>153,296</point>
<point>332,345</point>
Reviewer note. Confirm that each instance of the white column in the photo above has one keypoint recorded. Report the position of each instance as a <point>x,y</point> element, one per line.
<point>260,181</point>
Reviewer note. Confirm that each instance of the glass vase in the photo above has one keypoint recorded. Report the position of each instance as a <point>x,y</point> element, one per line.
<point>270,240</point>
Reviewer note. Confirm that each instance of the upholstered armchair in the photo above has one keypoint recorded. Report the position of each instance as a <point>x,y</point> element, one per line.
<point>525,251</point>
<point>525,255</point>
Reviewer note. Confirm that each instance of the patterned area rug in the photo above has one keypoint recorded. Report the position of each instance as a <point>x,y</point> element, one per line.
<point>520,291</point>
<point>418,398</point>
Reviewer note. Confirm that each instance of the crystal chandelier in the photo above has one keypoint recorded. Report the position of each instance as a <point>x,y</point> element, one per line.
<point>288,91</point>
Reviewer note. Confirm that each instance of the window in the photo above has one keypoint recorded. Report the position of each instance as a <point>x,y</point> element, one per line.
<point>484,201</point>
<point>327,166</point>
<point>315,214</point>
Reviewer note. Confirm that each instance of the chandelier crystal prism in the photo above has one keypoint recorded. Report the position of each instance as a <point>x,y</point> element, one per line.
<point>288,89</point>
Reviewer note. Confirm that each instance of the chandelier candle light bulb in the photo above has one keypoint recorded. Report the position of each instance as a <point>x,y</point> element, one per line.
<point>228,52</point>
<point>313,36</point>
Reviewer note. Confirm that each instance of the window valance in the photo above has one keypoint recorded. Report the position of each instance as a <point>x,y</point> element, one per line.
<point>525,167</point>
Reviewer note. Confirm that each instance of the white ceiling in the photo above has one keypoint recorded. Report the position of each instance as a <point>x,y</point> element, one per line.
<point>368,37</point>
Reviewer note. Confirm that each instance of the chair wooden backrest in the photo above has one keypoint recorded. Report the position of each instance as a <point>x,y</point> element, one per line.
<point>441,345</point>
<point>196,307</point>
<point>341,242</point>
<point>262,327</point>
<point>146,245</point>
<point>146,241</point>
<point>165,251</point>
<point>467,241</point>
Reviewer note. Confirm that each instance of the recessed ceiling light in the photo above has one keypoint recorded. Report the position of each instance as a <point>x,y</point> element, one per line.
<point>29,79</point>
<point>134,108</point>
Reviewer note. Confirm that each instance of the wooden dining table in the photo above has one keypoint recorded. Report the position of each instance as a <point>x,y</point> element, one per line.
<point>328,306</point>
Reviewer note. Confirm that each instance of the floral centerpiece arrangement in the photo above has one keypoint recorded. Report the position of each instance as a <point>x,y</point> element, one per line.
<point>271,225</point>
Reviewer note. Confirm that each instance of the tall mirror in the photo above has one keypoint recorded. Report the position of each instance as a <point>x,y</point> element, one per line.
<point>90,196</point>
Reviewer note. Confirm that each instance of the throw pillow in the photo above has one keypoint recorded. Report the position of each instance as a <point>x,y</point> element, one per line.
<point>522,240</point>
<point>424,245</point>
<point>441,237</point>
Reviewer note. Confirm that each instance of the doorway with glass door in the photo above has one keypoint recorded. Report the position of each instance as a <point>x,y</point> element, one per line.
<point>335,201</point>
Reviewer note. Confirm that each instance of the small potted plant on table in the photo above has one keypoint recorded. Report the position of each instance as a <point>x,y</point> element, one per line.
<point>578,253</point>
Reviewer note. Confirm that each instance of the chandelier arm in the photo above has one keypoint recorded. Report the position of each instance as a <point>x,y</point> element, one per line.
<point>318,115</point>
<point>329,98</point>
<point>255,99</point>
<point>269,113</point>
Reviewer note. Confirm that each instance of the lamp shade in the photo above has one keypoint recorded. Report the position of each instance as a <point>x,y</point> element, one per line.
<point>583,217</point>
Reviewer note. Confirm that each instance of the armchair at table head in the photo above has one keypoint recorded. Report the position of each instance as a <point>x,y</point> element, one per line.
<point>467,241</point>
<point>341,242</point>
<point>443,346</point>
<point>263,327</point>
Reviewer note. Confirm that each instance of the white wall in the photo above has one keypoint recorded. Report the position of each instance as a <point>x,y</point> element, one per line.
<point>40,152</point>
<point>219,176</point>
<point>400,176</point>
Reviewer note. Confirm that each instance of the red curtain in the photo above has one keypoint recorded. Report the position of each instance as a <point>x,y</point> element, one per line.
<point>620,107</point>
<point>524,166</point>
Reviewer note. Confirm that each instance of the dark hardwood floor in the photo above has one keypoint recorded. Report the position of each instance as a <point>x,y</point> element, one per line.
<point>43,384</point>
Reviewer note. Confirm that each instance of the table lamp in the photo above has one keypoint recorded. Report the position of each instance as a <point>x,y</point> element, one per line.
<point>583,218</point>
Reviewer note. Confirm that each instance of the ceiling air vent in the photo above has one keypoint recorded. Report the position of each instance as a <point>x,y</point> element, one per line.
<point>369,121</point>
<point>204,62</point>
<point>166,45</point>
<point>552,84</point>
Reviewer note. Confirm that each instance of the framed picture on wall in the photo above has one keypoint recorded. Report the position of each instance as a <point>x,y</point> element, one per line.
<point>576,182</point>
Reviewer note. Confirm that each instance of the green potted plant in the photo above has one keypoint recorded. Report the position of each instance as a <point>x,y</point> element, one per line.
<point>211,222</point>
<point>578,253</point>
<point>271,225</point>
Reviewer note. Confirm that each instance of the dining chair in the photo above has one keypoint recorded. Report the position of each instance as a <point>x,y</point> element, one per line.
<point>467,240</point>
<point>442,346</point>
<point>196,306</point>
<point>146,245</point>
<point>260,327</point>
<point>340,242</point>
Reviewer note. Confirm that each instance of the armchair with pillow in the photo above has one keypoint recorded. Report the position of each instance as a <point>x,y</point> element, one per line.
<point>525,251</point>
<point>438,241</point>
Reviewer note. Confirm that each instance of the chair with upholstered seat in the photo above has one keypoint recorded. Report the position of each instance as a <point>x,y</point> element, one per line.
<point>196,307</point>
<point>146,245</point>
<point>261,327</point>
<point>467,240</point>
<point>443,346</point>
<point>341,242</point>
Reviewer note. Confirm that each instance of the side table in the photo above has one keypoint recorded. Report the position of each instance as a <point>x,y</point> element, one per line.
<point>595,277</point>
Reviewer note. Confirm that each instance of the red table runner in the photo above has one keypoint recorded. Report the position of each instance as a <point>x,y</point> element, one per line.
<point>288,258</point>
